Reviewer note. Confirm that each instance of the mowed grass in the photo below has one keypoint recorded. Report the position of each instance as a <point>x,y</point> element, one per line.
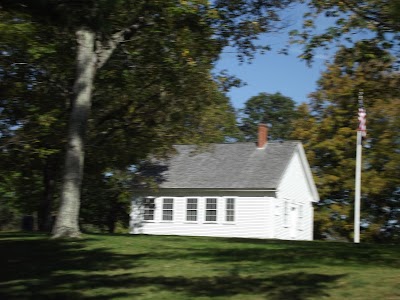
<point>170,267</point>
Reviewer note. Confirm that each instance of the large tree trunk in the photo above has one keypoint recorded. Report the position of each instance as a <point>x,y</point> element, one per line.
<point>67,223</point>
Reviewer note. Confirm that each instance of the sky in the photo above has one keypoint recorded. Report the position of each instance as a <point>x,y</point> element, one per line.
<point>273,72</point>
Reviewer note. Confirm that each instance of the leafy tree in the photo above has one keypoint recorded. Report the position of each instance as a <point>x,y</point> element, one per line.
<point>106,201</point>
<point>366,65</point>
<point>378,20</point>
<point>41,116</point>
<point>106,189</point>
<point>181,36</point>
<point>274,109</point>
<point>9,213</point>
<point>33,113</point>
<point>329,138</point>
<point>214,124</point>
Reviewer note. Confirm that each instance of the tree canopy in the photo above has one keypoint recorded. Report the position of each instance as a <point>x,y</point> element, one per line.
<point>377,20</point>
<point>327,127</point>
<point>276,110</point>
<point>142,74</point>
<point>366,38</point>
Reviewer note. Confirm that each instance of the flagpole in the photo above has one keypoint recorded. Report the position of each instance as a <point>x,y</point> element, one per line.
<point>361,132</point>
<point>357,200</point>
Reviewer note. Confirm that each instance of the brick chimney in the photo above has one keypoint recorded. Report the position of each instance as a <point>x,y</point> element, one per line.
<point>262,135</point>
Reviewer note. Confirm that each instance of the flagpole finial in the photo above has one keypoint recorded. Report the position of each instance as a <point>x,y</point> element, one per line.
<point>362,114</point>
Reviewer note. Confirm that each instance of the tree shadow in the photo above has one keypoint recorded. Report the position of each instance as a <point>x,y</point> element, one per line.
<point>332,253</point>
<point>278,254</point>
<point>294,286</point>
<point>36,268</point>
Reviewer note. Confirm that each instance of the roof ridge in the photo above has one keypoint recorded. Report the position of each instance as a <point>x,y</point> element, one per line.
<point>238,143</point>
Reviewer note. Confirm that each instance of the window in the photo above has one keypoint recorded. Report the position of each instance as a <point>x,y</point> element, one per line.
<point>168,209</point>
<point>301,216</point>
<point>286,213</point>
<point>211,210</point>
<point>277,209</point>
<point>148,209</point>
<point>230,210</point>
<point>191,209</point>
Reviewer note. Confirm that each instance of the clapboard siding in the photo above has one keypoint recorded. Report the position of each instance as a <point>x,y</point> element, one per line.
<point>280,230</point>
<point>294,183</point>
<point>272,186</point>
<point>294,190</point>
<point>252,218</point>
<point>304,227</point>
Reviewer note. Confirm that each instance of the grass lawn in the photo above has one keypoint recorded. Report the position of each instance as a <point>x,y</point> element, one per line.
<point>171,267</point>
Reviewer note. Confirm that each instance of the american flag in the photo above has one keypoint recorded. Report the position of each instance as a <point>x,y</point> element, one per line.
<point>362,125</point>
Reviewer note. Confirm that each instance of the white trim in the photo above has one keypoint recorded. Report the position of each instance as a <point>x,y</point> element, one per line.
<point>307,170</point>
<point>216,210</point>
<point>164,209</point>
<point>197,210</point>
<point>143,209</point>
<point>209,192</point>
<point>285,213</point>
<point>294,221</point>
<point>223,190</point>
<point>225,215</point>
<point>300,221</point>
<point>276,207</point>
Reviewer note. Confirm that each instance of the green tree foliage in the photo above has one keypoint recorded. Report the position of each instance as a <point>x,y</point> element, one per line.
<point>9,213</point>
<point>34,103</point>
<point>106,201</point>
<point>377,20</point>
<point>274,109</point>
<point>214,124</point>
<point>328,127</point>
<point>366,65</point>
<point>165,51</point>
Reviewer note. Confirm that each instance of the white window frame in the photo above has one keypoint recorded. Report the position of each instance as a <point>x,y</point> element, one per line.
<point>286,212</point>
<point>207,209</point>
<point>232,210</point>
<point>300,221</point>
<point>196,210</point>
<point>149,204</point>
<point>169,209</point>
<point>277,207</point>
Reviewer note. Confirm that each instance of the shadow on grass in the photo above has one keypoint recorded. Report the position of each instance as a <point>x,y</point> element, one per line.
<point>294,286</point>
<point>297,254</point>
<point>314,253</point>
<point>50,269</point>
<point>34,267</point>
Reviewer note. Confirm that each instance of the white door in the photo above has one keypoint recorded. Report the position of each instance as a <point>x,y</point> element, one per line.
<point>293,218</point>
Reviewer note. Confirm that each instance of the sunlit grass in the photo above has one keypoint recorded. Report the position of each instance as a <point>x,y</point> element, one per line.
<point>171,267</point>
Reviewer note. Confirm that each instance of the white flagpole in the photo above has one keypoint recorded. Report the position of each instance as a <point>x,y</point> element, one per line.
<point>361,132</point>
<point>357,201</point>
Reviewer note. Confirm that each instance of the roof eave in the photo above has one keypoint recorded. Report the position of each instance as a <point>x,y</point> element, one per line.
<point>309,175</point>
<point>206,191</point>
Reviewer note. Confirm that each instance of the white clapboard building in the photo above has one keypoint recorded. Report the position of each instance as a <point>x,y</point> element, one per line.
<point>263,190</point>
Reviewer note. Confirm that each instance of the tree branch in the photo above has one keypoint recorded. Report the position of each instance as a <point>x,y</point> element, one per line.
<point>119,110</point>
<point>105,50</point>
<point>369,16</point>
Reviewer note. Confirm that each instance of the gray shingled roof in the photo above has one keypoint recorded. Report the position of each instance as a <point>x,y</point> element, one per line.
<point>224,166</point>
